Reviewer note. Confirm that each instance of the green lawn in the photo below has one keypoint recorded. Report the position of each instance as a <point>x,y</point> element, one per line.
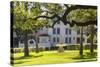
<point>52,57</point>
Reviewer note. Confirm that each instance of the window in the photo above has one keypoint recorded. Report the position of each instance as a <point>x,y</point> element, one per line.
<point>73,38</point>
<point>58,39</point>
<point>58,30</point>
<point>66,31</point>
<point>70,31</point>
<point>21,41</point>
<point>78,32</point>
<point>58,22</point>
<point>44,39</point>
<point>69,39</point>
<point>78,40</point>
<point>66,40</point>
<point>54,39</point>
<point>54,30</point>
<point>31,42</point>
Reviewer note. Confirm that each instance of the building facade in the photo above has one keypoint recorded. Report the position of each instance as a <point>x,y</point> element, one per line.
<point>60,34</point>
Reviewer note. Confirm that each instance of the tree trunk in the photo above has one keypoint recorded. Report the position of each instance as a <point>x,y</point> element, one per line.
<point>92,36</point>
<point>26,50</point>
<point>81,42</point>
<point>36,40</point>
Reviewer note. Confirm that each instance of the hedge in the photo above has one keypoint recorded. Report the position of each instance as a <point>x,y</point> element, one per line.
<point>19,50</point>
<point>68,47</point>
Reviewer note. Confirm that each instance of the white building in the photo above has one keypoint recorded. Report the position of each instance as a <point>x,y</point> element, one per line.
<point>59,34</point>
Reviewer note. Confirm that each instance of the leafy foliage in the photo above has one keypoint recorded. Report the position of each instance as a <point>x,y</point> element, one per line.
<point>83,15</point>
<point>23,19</point>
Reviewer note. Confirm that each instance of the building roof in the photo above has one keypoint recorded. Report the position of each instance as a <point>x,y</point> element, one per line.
<point>44,35</point>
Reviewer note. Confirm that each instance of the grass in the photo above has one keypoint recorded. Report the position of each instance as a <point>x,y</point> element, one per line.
<point>52,57</point>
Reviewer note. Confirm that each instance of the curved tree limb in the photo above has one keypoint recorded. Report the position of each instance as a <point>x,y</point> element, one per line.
<point>67,11</point>
<point>85,23</point>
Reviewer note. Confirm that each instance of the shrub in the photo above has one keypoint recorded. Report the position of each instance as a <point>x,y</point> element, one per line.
<point>47,48</point>
<point>87,46</point>
<point>31,49</point>
<point>77,46</point>
<point>53,48</point>
<point>41,48</point>
<point>17,50</point>
<point>73,47</point>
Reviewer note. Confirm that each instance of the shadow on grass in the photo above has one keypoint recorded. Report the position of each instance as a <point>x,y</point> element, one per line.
<point>19,62</point>
<point>86,57</point>
<point>20,59</point>
<point>87,60</point>
<point>28,57</point>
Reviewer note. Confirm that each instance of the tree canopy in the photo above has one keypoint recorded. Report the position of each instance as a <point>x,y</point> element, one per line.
<point>23,19</point>
<point>79,15</point>
<point>26,14</point>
